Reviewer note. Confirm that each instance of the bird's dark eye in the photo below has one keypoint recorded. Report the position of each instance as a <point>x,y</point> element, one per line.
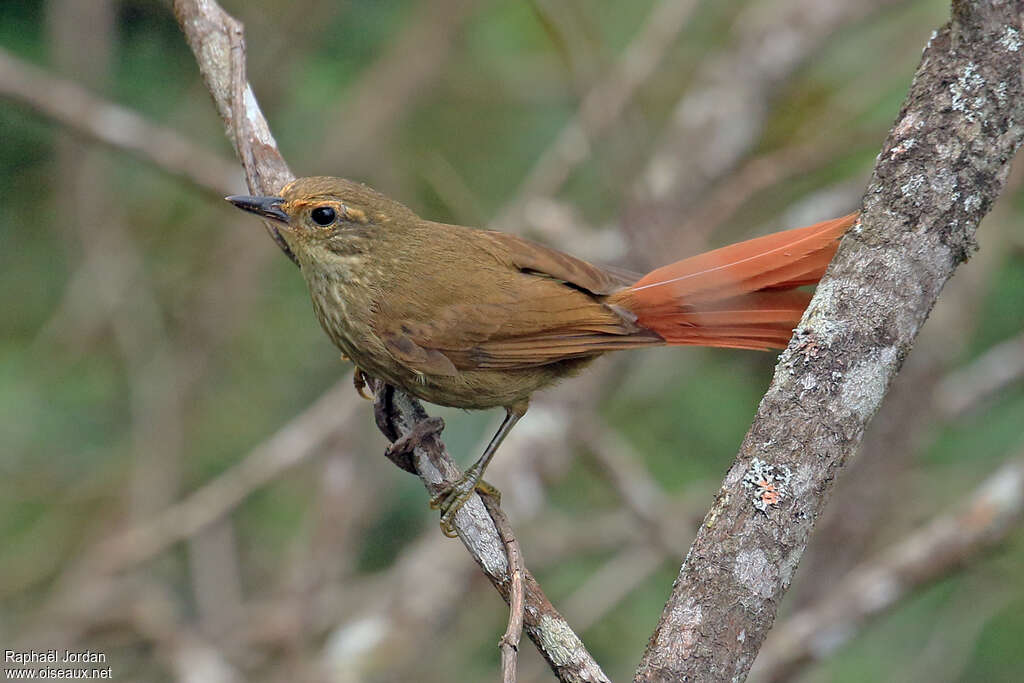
<point>323,215</point>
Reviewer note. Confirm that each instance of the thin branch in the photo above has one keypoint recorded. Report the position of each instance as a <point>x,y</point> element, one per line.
<point>216,40</point>
<point>939,172</point>
<point>509,642</point>
<point>119,127</point>
<point>604,104</point>
<point>294,443</point>
<point>993,511</point>
<point>398,415</point>
<point>428,560</point>
<point>999,368</point>
<point>719,118</point>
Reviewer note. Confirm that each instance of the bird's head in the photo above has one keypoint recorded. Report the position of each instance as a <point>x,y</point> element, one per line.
<point>333,215</point>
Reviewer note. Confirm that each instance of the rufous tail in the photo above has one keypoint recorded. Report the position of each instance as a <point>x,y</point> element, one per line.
<point>743,296</point>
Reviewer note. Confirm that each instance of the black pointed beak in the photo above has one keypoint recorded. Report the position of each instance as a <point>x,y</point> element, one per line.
<point>268,207</point>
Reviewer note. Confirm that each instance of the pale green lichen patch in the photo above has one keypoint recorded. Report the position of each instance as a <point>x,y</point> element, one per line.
<point>721,503</point>
<point>864,384</point>
<point>562,646</point>
<point>1011,39</point>
<point>821,317</point>
<point>967,92</point>
<point>686,621</point>
<point>803,479</point>
<point>756,573</point>
<point>787,566</point>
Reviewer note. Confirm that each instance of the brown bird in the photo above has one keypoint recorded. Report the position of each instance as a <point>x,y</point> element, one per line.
<point>479,319</point>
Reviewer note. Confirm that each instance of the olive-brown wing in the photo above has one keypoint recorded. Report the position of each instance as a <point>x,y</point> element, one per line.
<point>531,306</point>
<point>530,257</point>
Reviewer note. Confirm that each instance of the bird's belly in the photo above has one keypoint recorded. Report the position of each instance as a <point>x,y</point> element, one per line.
<point>480,389</point>
<point>469,389</point>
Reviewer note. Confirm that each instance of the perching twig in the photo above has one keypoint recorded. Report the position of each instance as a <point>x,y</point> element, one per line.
<point>397,415</point>
<point>216,40</point>
<point>938,173</point>
<point>429,561</point>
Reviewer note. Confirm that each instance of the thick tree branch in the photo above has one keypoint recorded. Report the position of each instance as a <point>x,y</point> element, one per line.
<point>944,163</point>
<point>942,546</point>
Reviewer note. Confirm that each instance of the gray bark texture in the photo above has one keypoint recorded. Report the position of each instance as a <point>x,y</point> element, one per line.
<point>941,168</point>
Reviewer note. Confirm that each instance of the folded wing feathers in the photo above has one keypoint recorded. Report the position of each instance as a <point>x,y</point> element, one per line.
<point>740,296</point>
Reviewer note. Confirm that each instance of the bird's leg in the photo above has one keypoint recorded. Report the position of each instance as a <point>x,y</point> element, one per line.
<point>449,501</point>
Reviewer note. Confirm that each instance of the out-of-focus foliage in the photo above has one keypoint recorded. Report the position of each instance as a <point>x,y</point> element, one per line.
<point>151,336</point>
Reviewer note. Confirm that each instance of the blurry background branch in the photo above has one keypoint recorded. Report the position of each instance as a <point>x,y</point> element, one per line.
<point>80,111</point>
<point>413,60</point>
<point>301,438</point>
<point>601,107</point>
<point>998,369</point>
<point>718,119</point>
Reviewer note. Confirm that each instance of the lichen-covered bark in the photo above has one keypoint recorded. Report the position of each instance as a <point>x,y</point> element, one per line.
<point>943,165</point>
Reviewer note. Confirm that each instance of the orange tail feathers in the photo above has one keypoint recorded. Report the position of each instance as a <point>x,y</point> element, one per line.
<point>742,296</point>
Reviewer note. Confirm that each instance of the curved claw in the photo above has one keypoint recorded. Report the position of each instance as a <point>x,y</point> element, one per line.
<point>448,526</point>
<point>359,382</point>
<point>451,500</point>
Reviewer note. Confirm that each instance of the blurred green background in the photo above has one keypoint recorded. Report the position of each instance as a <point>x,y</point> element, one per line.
<point>153,340</point>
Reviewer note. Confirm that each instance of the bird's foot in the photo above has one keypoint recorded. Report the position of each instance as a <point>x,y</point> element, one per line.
<point>400,451</point>
<point>451,500</point>
<point>359,382</point>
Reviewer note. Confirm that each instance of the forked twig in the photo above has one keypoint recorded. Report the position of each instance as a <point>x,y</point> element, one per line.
<point>509,642</point>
